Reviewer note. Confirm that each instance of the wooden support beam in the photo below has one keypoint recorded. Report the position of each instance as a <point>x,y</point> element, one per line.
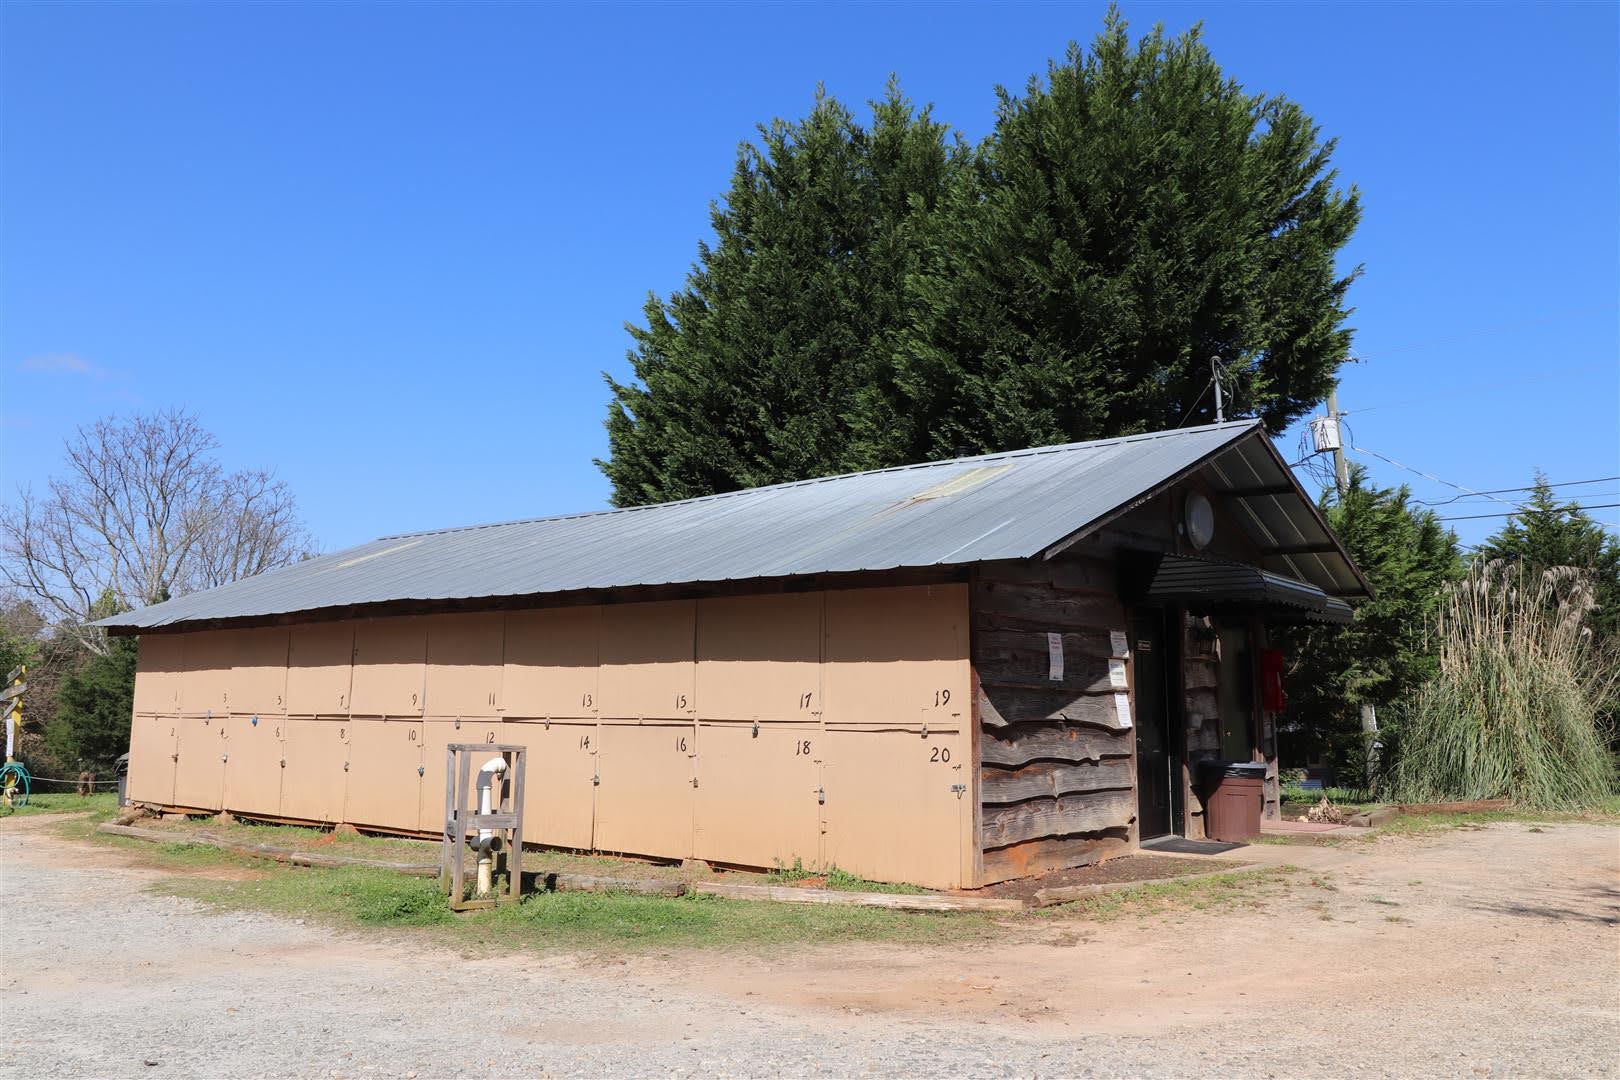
<point>1258,492</point>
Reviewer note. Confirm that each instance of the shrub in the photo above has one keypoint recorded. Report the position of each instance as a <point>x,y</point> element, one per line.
<point>1514,708</point>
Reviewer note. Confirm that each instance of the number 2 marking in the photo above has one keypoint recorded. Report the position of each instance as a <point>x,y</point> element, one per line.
<point>941,754</point>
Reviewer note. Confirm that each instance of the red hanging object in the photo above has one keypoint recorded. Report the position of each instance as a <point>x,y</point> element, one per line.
<point>1271,680</point>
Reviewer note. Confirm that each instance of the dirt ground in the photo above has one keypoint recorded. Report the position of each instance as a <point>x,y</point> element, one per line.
<point>1472,953</point>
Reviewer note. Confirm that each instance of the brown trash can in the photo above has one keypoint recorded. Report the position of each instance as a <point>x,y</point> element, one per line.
<point>1234,793</point>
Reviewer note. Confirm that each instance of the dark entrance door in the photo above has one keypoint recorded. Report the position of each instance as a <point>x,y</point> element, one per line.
<point>1157,755</point>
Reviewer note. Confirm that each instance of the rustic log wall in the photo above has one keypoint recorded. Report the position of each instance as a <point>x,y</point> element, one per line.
<point>1057,781</point>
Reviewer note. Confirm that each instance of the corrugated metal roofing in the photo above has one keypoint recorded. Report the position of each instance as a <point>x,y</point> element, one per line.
<point>997,506</point>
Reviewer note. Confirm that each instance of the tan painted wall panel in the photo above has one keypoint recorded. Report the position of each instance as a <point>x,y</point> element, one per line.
<point>759,657</point>
<point>199,774</point>
<point>259,671</point>
<point>320,661</point>
<point>390,667</point>
<point>559,799</point>
<point>313,783</point>
<point>891,814</point>
<point>897,656</point>
<point>253,763</point>
<point>756,794</point>
<point>384,787</point>
<point>205,683</point>
<point>159,666</point>
<point>648,660</point>
<point>464,660</point>
<point>551,663</point>
<point>644,803</point>
<point>439,733</point>
<point>151,757</point>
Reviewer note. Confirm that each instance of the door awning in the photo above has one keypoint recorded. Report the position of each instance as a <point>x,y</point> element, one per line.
<point>1209,587</point>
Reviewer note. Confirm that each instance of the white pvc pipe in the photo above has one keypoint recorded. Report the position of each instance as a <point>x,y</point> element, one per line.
<point>492,768</point>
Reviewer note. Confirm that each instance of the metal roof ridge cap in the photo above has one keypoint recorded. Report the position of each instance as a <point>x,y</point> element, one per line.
<point>1031,451</point>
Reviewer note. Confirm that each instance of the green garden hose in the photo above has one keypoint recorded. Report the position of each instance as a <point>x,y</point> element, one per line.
<point>14,778</point>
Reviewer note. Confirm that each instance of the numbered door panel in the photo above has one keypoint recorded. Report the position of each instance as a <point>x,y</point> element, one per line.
<point>158,671</point>
<point>648,660</point>
<point>205,685</point>
<point>645,800</point>
<point>891,813</point>
<point>313,776</point>
<point>390,667</point>
<point>757,794</point>
<point>897,657</point>
<point>259,671</point>
<point>199,772</point>
<point>559,792</point>
<point>439,734</point>
<point>464,656</point>
<point>384,788</point>
<point>320,660</point>
<point>253,764</point>
<point>551,661</point>
<point>759,657</point>
<point>151,757</point>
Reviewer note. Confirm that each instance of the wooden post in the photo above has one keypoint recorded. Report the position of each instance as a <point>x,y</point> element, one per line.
<point>517,763</point>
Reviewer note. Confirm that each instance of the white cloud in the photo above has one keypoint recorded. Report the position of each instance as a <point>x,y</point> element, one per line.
<point>62,364</point>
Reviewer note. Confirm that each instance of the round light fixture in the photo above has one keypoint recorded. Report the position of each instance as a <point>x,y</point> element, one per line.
<point>1199,518</point>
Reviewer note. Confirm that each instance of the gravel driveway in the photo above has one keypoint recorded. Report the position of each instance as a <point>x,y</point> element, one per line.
<point>1477,953</point>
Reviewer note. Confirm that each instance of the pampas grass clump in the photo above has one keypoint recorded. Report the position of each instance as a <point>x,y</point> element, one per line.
<point>1514,710</point>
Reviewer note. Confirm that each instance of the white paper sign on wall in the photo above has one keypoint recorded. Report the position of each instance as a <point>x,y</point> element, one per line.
<point>1116,675</point>
<point>1122,708</point>
<point>1054,657</point>
<point>1118,644</point>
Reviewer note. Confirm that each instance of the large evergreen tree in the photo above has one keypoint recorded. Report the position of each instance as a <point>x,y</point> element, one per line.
<point>1131,217</point>
<point>877,295</point>
<point>1550,533</point>
<point>775,361</point>
<point>1408,556</point>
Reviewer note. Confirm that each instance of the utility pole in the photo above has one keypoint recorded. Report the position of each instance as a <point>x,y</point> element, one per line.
<point>1341,471</point>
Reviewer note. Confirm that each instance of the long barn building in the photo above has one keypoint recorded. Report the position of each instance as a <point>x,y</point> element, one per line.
<point>949,674</point>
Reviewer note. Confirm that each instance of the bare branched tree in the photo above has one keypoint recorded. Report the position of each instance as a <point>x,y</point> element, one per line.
<point>142,512</point>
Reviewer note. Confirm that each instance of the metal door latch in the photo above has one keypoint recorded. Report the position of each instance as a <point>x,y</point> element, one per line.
<point>960,789</point>
<point>596,781</point>
<point>821,796</point>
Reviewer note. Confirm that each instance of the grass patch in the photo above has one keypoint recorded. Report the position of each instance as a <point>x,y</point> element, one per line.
<point>567,921</point>
<point>1338,796</point>
<point>103,804</point>
<point>836,878</point>
<point>1240,888</point>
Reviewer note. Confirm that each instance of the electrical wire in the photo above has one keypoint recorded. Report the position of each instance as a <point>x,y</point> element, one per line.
<point>1475,517</point>
<point>1516,507</point>
<point>1196,400</point>
<point>1504,491</point>
<point>1493,389</point>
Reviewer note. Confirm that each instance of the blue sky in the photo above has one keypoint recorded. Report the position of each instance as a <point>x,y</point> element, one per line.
<point>388,251</point>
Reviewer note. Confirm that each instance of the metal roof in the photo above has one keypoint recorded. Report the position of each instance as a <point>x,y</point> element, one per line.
<point>1011,505</point>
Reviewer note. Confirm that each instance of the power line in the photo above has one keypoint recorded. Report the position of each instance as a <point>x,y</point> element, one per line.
<point>1503,491</point>
<point>1515,513</point>
<point>1546,375</point>
<point>1500,328</point>
<point>1430,476</point>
